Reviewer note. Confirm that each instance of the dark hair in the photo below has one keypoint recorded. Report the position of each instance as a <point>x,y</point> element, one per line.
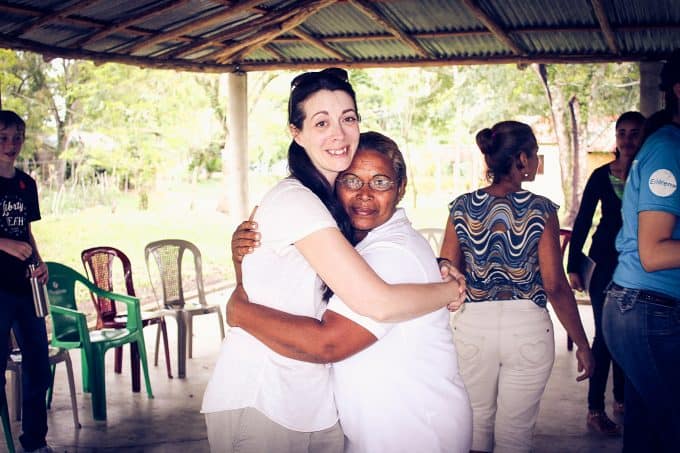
<point>384,145</point>
<point>502,145</point>
<point>631,116</point>
<point>10,118</point>
<point>656,121</point>
<point>299,163</point>
<point>670,75</point>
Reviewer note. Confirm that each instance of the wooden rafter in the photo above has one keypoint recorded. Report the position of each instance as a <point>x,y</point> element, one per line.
<point>319,44</point>
<point>185,65</point>
<point>247,28</point>
<point>274,51</point>
<point>54,15</point>
<point>124,24</point>
<point>224,35</point>
<point>371,11</point>
<point>606,27</point>
<point>310,8</point>
<point>196,25</point>
<point>491,24</point>
<point>103,57</point>
<point>76,21</point>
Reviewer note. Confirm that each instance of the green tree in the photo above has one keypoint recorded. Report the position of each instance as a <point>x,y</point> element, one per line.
<point>575,94</point>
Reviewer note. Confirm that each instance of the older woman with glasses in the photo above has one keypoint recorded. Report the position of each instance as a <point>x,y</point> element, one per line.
<point>258,400</point>
<point>396,385</point>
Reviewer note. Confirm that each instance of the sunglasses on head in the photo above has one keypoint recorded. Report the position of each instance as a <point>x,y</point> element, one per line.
<point>306,77</point>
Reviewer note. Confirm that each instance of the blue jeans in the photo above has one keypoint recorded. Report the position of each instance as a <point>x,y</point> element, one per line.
<point>644,338</point>
<point>597,383</point>
<point>17,312</point>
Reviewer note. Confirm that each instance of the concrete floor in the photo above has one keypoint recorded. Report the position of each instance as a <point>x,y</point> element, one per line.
<point>171,422</point>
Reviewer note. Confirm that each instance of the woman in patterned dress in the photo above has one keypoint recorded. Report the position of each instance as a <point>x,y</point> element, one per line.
<point>506,242</point>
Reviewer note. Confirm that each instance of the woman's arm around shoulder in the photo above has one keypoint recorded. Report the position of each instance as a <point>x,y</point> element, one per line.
<point>331,339</point>
<point>352,279</point>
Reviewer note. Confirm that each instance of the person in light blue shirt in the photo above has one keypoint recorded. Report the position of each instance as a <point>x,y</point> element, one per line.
<point>641,319</point>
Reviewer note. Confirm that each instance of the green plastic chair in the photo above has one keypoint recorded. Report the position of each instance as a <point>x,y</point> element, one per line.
<point>4,413</point>
<point>69,331</point>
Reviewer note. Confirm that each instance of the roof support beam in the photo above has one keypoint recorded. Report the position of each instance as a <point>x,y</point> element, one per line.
<point>491,24</point>
<point>54,15</point>
<point>319,44</point>
<point>605,26</point>
<point>254,26</point>
<point>264,37</point>
<point>195,25</point>
<point>371,11</point>
<point>50,52</point>
<point>128,22</point>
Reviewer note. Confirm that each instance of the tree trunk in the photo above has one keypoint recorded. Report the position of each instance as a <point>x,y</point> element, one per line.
<point>578,162</point>
<point>558,109</point>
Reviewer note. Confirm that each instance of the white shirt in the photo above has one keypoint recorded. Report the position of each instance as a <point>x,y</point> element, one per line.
<point>294,394</point>
<point>403,393</point>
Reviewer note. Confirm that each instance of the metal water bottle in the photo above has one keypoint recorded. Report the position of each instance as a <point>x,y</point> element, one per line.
<point>39,292</point>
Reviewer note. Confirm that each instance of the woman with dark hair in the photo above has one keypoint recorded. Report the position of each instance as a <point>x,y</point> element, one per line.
<point>506,242</point>
<point>641,318</point>
<point>605,186</point>
<point>258,400</point>
<point>396,385</point>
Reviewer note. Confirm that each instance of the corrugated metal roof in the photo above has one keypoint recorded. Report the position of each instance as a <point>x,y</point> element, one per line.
<point>222,36</point>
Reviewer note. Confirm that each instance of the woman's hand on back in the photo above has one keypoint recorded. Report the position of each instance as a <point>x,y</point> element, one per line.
<point>245,238</point>
<point>449,273</point>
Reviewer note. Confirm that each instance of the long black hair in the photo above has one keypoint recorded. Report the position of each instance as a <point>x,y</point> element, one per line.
<point>299,163</point>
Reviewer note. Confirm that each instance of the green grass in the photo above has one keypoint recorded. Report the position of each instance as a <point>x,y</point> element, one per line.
<point>176,210</point>
<point>185,212</point>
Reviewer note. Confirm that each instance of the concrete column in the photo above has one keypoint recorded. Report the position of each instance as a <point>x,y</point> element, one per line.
<point>237,146</point>
<point>650,96</point>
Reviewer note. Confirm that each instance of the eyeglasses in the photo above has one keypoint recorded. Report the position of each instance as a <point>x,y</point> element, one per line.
<point>379,183</point>
<point>306,77</point>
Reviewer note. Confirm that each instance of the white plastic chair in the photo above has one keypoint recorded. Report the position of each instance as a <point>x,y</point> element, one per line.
<point>435,236</point>
<point>168,254</point>
<point>56,355</point>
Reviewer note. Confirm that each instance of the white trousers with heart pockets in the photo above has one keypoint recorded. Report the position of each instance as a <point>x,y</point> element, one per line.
<point>506,350</point>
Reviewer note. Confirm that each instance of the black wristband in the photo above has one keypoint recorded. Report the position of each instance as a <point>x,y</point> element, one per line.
<point>440,260</point>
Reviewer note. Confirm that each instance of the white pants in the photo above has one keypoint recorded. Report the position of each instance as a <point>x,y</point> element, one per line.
<point>505,351</point>
<point>247,430</point>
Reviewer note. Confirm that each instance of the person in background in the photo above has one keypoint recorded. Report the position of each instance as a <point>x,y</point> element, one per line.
<point>605,186</point>
<point>18,208</point>
<point>396,385</point>
<point>641,318</point>
<point>505,240</point>
<point>260,401</point>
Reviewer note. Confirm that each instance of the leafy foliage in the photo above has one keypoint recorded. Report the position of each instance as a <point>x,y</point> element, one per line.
<point>144,127</point>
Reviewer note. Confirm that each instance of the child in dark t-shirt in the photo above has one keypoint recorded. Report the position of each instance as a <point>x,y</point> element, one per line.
<point>18,208</point>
